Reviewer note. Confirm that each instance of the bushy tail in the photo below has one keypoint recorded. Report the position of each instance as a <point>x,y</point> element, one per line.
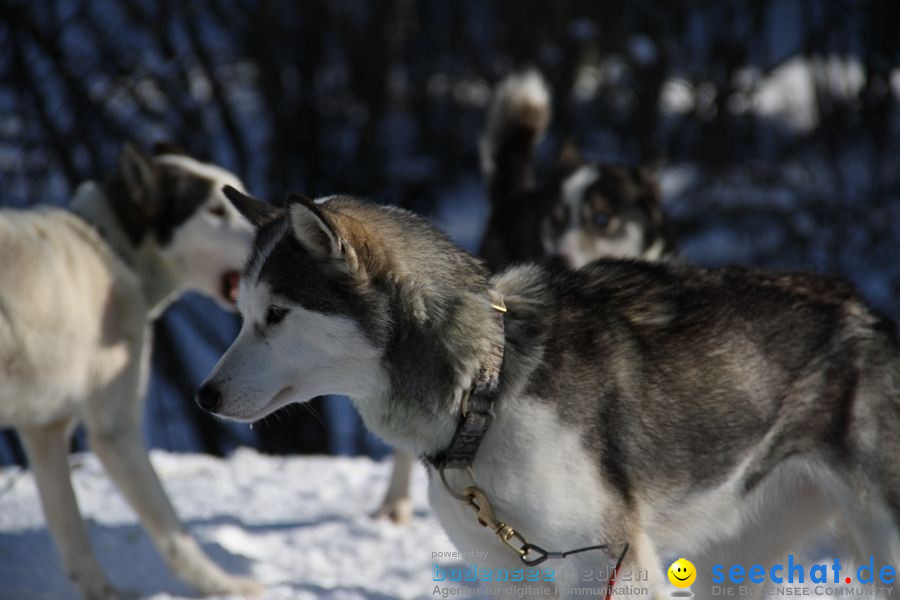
<point>516,122</point>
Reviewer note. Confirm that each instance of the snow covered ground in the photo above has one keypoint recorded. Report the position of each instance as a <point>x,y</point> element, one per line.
<point>300,525</point>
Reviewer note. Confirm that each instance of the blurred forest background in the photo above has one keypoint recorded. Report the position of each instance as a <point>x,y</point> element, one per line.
<point>775,120</point>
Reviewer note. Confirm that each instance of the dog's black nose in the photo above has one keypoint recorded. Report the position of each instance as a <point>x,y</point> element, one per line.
<point>209,397</point>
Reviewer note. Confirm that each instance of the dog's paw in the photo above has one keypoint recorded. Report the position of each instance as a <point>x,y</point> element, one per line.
<point>398,510</point>
<point>247,587</point>
<point>94,586</point>
<point>233,585</point>
<point>108,592</point>
<point>188,561</point>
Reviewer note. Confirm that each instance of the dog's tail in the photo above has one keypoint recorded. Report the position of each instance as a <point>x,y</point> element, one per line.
<point>516,122</point>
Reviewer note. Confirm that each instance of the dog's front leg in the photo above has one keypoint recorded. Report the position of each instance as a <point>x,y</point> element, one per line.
<point>397,505</point>
<point>125,457</point>
<point>643,562</point>
<point>47,450</point>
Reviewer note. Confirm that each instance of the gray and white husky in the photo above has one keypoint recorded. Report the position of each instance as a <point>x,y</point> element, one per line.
<point>78,289</point>
<point>655,404</point>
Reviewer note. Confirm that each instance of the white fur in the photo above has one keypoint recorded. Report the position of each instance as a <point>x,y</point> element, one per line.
<point>539,479</point>
<point>578,246</point>
<point>397,505</point>
<point>208,170</point>
<point>516,94</point>
<point>783,516</point>
<point>268,367</point>
<point>574,188</point>
<point>74,346</point>
<point>655,252</point>
<point>527,88</point>
<point>68,326</point>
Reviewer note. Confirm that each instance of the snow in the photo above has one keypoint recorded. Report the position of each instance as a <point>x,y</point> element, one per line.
<point>788,94</point>
<point>300,525</point>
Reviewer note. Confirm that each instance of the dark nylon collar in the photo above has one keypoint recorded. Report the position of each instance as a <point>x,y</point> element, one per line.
<point>478,404</point>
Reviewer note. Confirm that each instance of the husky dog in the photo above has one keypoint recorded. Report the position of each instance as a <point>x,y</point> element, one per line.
<point>78,289</point>
<point>583,211</point>
<point>649,403</point>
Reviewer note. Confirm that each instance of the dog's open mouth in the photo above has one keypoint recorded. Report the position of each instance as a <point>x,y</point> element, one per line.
<point>230,284</point>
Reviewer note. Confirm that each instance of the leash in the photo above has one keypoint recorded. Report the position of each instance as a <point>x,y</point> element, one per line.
<point>476,416</point>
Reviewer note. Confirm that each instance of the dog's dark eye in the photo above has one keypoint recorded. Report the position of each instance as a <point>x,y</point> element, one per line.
<point>601,220</point>
<point>275,314</point>
<point>217,210</point>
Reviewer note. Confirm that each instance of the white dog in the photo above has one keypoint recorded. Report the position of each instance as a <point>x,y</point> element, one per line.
<point>77,291</point>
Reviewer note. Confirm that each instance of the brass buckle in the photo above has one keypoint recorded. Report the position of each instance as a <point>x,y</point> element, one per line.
<point>486,518</point>
<point>497,302</point>
<point>484,513</point>
<point>506,533</point>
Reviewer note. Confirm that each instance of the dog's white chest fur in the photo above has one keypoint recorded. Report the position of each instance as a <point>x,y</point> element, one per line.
<point>539,479</point>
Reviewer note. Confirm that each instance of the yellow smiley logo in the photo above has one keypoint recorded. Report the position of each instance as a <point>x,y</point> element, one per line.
<point>682,573</point>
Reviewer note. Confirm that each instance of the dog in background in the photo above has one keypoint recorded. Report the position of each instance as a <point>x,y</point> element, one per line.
<point>78,289</point>
<point>583,211</point>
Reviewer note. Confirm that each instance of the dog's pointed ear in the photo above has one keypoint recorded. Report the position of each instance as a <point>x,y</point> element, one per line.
<point>569,157</point>
<point>646,175</point>
<point>258,212</point>
<point>648,171</point>
<point>319,231</point>
<point>295,198</point>
<point>160,148</point>
<point>140,177</point>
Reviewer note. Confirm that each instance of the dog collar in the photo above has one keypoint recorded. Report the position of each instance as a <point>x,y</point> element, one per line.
<point>477,407</point>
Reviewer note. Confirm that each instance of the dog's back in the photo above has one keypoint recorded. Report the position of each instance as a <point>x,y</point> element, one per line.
<point>60,290</point>
<point>710,360</point>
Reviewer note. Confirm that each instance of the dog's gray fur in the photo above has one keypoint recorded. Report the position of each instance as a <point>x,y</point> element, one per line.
<point>655,403</point>
<point>77,291</point>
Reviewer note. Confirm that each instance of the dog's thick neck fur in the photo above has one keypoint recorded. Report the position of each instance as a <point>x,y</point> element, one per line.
<point>159,281</point>
<point>440,321</point>
<point>428,369</point>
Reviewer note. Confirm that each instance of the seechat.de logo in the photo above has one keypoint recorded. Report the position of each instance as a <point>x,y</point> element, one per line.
<point>798,573</point>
